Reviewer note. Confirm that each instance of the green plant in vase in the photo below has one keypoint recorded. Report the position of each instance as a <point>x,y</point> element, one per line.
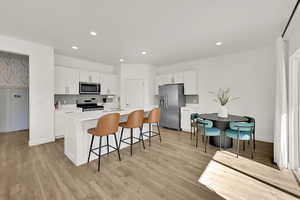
<point>222,97</point>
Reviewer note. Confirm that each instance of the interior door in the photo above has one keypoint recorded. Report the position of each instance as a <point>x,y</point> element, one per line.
<point>134,93</point>
<point>19,109</point>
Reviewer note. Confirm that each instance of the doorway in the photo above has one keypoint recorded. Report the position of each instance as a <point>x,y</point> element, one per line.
<point>134,93</point>
<point>14,93</point>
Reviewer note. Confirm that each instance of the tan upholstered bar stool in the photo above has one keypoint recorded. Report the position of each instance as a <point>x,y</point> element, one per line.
<point>153,118</point>
<point>135,120</point>
<point>107,124</point>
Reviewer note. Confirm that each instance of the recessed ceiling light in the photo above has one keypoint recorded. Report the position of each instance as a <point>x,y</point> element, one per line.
<point>121,60</point>
<point>75,47</point>
<point>219,43</point>
<point>93,33</point>
<point>144,52</point>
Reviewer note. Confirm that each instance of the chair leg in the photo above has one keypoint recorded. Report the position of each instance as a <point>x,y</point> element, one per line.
<point>251,147</point>
<point>205,143</point>
<point>191,131</point>
<point>238,148</point>
<point>158,131</point>
<point>244,145</point>
<point>254,141</point>
<point>220,141</point>
<point>118,149</point>
<point>99,156</point>
<point>142,136</point>
<point>149,134</point>
<point>121,137</point>
<point>131,140</point>
<point>107,143</point>
<point>91,148</point>
<point>197,138</point>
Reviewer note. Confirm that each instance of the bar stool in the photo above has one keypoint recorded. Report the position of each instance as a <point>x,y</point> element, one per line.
<point>135,120</point>
<point>107,124</point>
<point>153,117</point>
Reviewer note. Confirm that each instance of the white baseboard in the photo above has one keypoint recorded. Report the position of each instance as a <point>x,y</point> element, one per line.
<point>264,139</point>
<point>41,141</point>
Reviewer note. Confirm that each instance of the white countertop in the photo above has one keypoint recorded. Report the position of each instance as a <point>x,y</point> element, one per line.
<point>93,115</point>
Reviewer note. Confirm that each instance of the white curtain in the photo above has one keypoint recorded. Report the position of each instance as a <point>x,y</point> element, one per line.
<point>281,107</point>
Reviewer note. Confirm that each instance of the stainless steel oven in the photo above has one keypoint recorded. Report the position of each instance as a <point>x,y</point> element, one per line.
<point>89,88</point>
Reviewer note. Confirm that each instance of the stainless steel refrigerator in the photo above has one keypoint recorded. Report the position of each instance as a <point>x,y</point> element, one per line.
<point>171,99</point>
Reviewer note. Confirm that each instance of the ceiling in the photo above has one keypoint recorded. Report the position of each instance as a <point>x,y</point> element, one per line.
<point>170,31</point>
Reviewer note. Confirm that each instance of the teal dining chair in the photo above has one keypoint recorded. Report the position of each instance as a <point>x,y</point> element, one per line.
<point>207,131</point>
<point>241,131</point>
<point>194,117</point>
<point>251,119</point>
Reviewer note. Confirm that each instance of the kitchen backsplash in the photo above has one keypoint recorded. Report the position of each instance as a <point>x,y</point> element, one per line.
<point>192,99</point>
<point>71,99</point>
<point>189,99</point>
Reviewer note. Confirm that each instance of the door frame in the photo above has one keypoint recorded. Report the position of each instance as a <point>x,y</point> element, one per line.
<point>294,108</point>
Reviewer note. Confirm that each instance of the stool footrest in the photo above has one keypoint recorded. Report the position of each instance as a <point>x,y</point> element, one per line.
<point>137,140</point>
<point>92,150</point>
<point>155,134</point>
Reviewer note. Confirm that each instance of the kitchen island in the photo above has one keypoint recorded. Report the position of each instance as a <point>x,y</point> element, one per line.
<point>77,140</point>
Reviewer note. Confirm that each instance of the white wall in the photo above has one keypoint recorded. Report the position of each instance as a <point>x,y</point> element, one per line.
<point>250,75</point>
<point>82,64</point>
<point>138,71</point>
<point>41,86</point>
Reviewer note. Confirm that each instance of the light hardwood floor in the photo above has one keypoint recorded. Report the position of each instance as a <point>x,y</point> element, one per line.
<point>167,170</point>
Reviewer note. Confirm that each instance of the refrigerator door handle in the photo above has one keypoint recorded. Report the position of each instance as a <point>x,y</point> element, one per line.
<point>166,102</point>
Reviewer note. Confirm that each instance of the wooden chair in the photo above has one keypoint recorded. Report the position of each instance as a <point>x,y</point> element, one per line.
<point>135,120</point>
<point>107,124</point>
<point>153,118</point>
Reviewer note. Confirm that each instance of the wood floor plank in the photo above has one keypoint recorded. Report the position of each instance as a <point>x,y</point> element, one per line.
<point>169,170</point>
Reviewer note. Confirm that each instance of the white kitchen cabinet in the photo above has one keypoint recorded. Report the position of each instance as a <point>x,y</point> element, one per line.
<point>59,123</point>
<point>66,80</point>
<point>158,82</point>
<point>185,118</point>
<point>166,79</point>
<point>89,76</point>
<point>178,77</point>
<point>190,82</point>
<point>109,84</point>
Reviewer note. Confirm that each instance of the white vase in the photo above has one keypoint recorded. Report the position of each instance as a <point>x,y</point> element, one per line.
<point>223,112</point>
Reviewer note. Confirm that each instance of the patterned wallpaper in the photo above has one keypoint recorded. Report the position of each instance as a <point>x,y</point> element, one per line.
<point>14,70</point>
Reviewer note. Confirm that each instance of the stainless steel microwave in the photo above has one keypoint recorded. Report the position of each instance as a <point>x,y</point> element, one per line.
<point>89,88</point>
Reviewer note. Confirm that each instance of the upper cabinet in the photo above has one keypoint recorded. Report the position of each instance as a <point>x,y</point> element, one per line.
<point>188,78</point>
<point>66,80</point>
<point>89,77</point>
<point>190,82</point>
<point>109,84</point>
<point>177,77</point>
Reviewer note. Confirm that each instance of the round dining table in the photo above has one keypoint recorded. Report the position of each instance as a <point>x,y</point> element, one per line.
<point>223,124</point>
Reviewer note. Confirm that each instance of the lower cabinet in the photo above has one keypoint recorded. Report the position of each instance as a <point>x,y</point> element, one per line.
<point>185,119</point>
<point>59,124</point>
